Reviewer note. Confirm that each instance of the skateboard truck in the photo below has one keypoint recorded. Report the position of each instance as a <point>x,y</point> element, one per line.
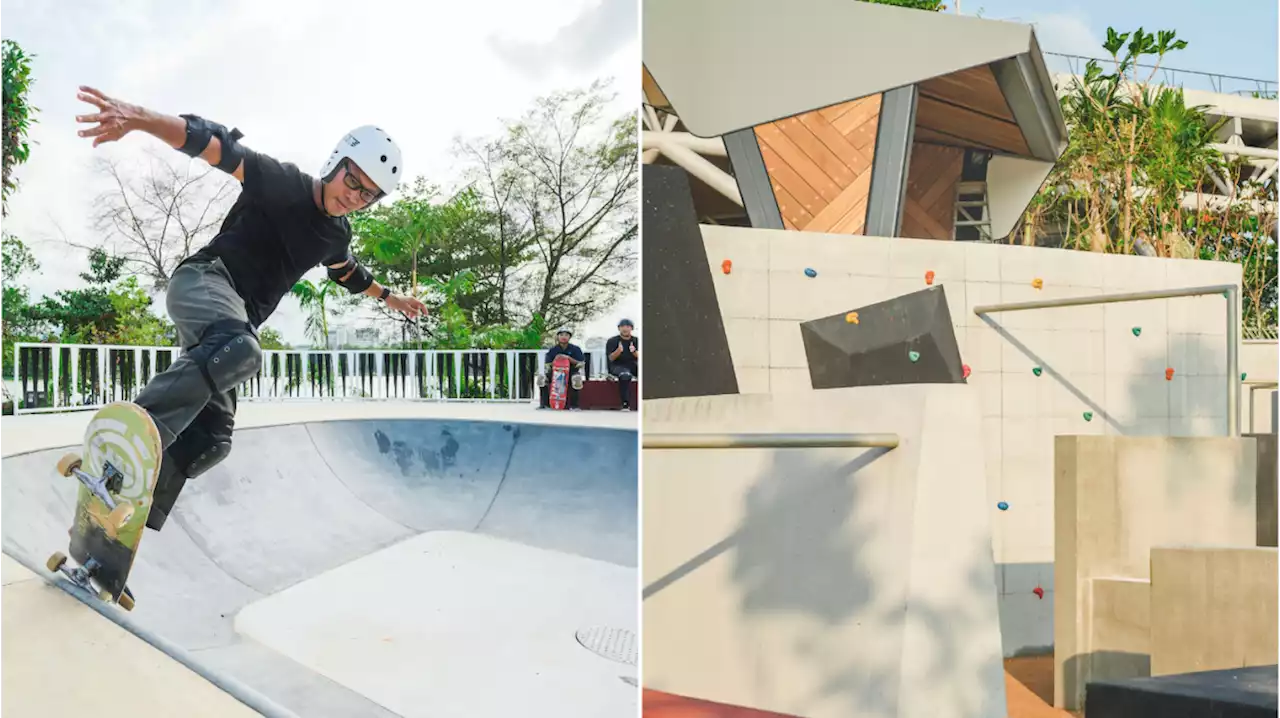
<point>81,575</point>
<point>112,481</point>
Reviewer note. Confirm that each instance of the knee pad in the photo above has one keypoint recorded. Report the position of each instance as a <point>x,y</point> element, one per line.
<point>578,381</point>
<point>540,380</point>
<point>197,450</point>
<point>624,376</point>
<point>228,355</point>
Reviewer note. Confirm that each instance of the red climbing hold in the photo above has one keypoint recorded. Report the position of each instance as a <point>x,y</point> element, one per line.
<point>965,370</point>
<point>1168,374</point>
<point>1039,592</point>
<point>726,265</point>
<point>928,277</point>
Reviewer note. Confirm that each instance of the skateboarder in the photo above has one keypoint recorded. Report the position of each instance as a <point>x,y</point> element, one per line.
<point>577,362</point>
<point>624,360</point>
<point>284,223</point>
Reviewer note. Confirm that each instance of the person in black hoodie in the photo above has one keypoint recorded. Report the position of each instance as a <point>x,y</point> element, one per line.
<point>624,359</point>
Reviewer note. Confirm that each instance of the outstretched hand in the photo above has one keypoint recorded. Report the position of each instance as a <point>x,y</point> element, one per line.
<point>115,118</point>
<point>407,306</point>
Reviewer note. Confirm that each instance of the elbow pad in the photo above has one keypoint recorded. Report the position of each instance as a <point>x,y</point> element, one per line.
<point>359,280</point>
<point>200,131</point>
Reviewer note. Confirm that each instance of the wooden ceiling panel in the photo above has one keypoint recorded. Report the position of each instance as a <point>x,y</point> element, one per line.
<point>965,124</point>
<point>975,88</point>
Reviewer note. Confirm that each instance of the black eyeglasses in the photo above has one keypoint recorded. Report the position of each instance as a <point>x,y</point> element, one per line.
<point>349,179</point>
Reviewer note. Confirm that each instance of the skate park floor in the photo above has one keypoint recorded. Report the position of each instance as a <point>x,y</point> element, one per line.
<point>380,559</point>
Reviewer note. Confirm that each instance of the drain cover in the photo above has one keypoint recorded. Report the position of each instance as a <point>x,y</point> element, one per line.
<point>616,644</point>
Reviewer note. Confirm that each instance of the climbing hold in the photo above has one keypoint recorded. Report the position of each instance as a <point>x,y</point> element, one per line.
<point>928,277</point>
<point>965,370</point>
<point>1243,375</point>
<point>913,355</point>
<point>1039,592</point>
<point>726,265</point>
<point>1036,370</point>
<point>851,317</point>
<point>810,273</point>
<point>1038,283</point>
<point>1002,506</point>
<point>1168,374</point>
<point>1088,416</point>
<point>1137,331</point>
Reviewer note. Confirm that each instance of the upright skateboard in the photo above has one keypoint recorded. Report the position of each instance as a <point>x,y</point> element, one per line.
<point>117,470</point>
<point>559,381</point>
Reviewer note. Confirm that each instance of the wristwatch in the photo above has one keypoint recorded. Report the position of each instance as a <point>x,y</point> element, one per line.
<point>386,292</point>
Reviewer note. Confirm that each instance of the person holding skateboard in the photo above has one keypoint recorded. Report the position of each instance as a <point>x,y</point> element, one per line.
<point>624,359</point>
<point>577,364</point>
<point>284,223</point>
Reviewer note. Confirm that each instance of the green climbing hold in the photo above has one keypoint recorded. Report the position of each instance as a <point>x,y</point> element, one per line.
<point>915,356</point>
<point>1243,375</point>
<point>1088,416</point>
<point>1137,331</point>
<point>1036,370</point>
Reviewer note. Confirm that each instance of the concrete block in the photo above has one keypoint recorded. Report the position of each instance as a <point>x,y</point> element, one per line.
<point>911,258</point>
<point>753,380</point>
<point>982,262</point>
<point>1115,498</point>
<point>748,343</point>
<point>786,348</point>
<point>1212,608</point>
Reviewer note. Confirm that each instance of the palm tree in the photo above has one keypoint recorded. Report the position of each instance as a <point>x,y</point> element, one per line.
<point>312,299</point>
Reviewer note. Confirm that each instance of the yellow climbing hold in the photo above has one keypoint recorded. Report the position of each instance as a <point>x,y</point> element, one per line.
<point>1038,283</point>
<point>851,317</point>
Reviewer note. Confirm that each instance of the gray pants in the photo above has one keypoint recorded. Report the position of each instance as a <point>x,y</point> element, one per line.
<point>195,422</point>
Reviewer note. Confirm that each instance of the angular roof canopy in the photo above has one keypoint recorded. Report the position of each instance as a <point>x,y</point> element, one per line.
<point>727,65</point>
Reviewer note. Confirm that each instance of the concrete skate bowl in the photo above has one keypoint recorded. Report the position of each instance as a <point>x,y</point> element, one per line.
<point>389,567</point>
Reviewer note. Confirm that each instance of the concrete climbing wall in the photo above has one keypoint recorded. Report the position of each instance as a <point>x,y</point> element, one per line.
<point>1091,361</point>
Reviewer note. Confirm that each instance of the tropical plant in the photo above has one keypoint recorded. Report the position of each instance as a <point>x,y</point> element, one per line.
<point>315,301</point>
<point>16,83</point>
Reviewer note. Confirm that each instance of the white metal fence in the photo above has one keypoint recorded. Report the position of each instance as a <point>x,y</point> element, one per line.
<point>62,377</point>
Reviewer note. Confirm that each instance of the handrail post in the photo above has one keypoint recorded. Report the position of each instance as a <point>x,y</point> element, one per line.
<point>1233,362</point>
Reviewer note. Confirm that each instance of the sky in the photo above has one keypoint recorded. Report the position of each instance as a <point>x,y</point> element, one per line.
<point>294,76</point>
<point>1237,41</point>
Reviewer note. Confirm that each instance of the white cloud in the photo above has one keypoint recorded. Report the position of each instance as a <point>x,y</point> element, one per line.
<point>1069,34</point>
<point>294,75</point>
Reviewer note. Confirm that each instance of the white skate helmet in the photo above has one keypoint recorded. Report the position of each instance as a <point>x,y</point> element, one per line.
<point>373,151</point>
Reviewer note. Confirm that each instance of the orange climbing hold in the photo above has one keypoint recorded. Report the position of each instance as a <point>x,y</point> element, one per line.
<point>851,317</point>
<point>1168,374</point>
<point>928,277</point>
<point>1038,283</point>
<point>965,370</point>
<point>726,265</point>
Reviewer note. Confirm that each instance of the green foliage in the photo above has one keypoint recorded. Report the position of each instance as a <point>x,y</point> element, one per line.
<point>18,113</point>
<point>1135,152</point>
<point>17,324</point>
<point>315,301</point>
<point>929,5</point>
<point>270,338</point>
<point>111,310</point>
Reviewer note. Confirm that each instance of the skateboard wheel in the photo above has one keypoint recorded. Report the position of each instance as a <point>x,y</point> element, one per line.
<point>68,463</point>
<point>118,517</point>
<point>104,595</point>
<point>56,561</point>
<point>125,602</point>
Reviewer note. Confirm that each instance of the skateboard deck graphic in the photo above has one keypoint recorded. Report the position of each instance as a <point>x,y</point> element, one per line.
<point>117,469</point>
<point>559,381</point>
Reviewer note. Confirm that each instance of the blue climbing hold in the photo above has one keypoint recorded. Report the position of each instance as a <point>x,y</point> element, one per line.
<point>1002,506</point>
<point>810,273</point>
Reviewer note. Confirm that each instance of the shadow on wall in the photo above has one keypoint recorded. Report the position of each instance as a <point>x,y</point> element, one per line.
<point>822,546</point>
<point>1187,400</point>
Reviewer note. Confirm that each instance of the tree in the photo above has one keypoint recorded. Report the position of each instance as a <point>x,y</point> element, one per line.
<point>269,338</point>
<point>156,218</point>
<point>1136,154</point>
<point>18,324</point>
<point>18,114</point>
<point>112,309</point>
<point>314,300</point>
<point>579,194</point>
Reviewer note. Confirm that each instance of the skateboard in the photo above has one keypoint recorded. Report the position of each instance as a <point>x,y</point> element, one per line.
<point>117,470</point>
<point>559,381</point>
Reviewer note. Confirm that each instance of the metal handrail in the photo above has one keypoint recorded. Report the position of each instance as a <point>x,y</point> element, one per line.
<point>1230,291</point>
<point>769,441</point>
<point>1170,73</point>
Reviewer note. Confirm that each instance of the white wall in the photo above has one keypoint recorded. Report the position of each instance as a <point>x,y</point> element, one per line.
<point>1091,359</point>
